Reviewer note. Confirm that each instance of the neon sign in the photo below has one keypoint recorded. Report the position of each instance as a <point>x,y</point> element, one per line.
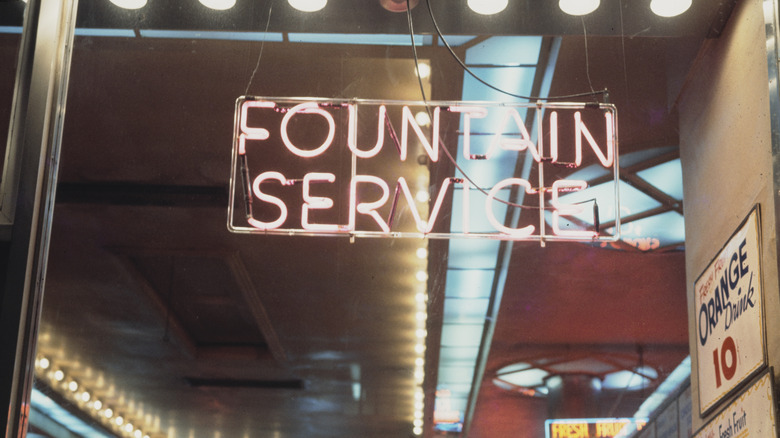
<point>592,427</point>
<point>350,167</point>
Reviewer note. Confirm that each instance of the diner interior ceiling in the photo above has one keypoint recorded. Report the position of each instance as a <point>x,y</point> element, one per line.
<point>196,332</point>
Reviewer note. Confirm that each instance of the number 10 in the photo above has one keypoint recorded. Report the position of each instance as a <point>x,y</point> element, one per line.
<point>719,360</point>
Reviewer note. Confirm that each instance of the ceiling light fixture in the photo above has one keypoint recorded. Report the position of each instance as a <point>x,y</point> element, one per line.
<point>487,7</point>
<point>578,7</point>
<point>129,4</point>
<point>397,5</point>
<point>422,118</point>
<point>219,5</point>
<point>669,8</point>
<point>308,5</point>
<point>424,70</point>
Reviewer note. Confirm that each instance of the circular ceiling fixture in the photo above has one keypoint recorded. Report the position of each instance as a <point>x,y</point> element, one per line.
<point>539,376</point>
<point>578,7</point>
<point>308,5</point>
<point>397,5</point>
<point>129,4</point>
<point>219,5</point>
<point>669,8</point>
<point>487,7</point>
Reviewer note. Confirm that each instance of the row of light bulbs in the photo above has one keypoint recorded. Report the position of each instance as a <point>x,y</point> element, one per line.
<point>72,390</point>
<point>663,8</point>
<point>421,333</point>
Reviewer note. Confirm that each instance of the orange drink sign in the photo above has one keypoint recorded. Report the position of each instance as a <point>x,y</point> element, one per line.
<point>728,306</point>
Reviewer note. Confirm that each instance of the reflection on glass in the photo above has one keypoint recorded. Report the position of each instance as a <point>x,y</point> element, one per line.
<point>158,322</point>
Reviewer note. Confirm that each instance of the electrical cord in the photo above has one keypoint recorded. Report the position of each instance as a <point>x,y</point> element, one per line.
<point>465,68</point>
<point>427,108</point>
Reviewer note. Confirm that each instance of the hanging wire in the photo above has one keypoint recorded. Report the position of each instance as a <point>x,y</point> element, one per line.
<point>427,108</point>
<point>262,45</point>
<point>465,68</point>
<point>444,148</point>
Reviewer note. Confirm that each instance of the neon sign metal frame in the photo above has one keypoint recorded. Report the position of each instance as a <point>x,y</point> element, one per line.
<point>258,127</point>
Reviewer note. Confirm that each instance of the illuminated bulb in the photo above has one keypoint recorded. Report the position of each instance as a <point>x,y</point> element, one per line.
<point>129,4</point>
<point>146,436</point>
<point>44,363</point>
<point>308,5</point>
<point>421,275</point>
<point>138,433</point>
<point>128,427</point>
<point>421,297</point>
<point>73,386</point>
<point>578,7</point>
<point>97,405</point>
<point>422,316</point>
<point>422,118</point>
<point>422,196</point>
<point>419,374</point>
<point>421,333</point>
<point>85,396</point>
<point>419,348</point>
<point>119,420</point>
<point>669,8</point>
<point>424,70</point>
<point>59,375</point>
<point>418,414</point>
<point>419,361</point>
<point>417,430</point>
<point>418,422</point>
<point>108,413</point>
<point>418,395</point>
<point>487,7</point>
<point>219,5</point>
<point>422,253</point>
<point>419,406</point>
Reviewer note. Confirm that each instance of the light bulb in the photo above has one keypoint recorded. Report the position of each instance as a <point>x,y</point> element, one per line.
<point>308,5</point>
<point>421,275</point>
<point>424,70</point>
<point>669,8</point>
<point>422,118</point>
<point>73,386</point>
<point>219,5</point>
<point>487,7</point>
<point>578,7</point>
<point>422,253</point>
<point>44,363</point>
<point>59,375</point>
<point>129,4</point>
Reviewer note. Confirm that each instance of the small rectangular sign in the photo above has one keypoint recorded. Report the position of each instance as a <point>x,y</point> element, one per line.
<point>307,166</point>
<point>728,304</point>
<point>751,414</point>
<point>592,427</point>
